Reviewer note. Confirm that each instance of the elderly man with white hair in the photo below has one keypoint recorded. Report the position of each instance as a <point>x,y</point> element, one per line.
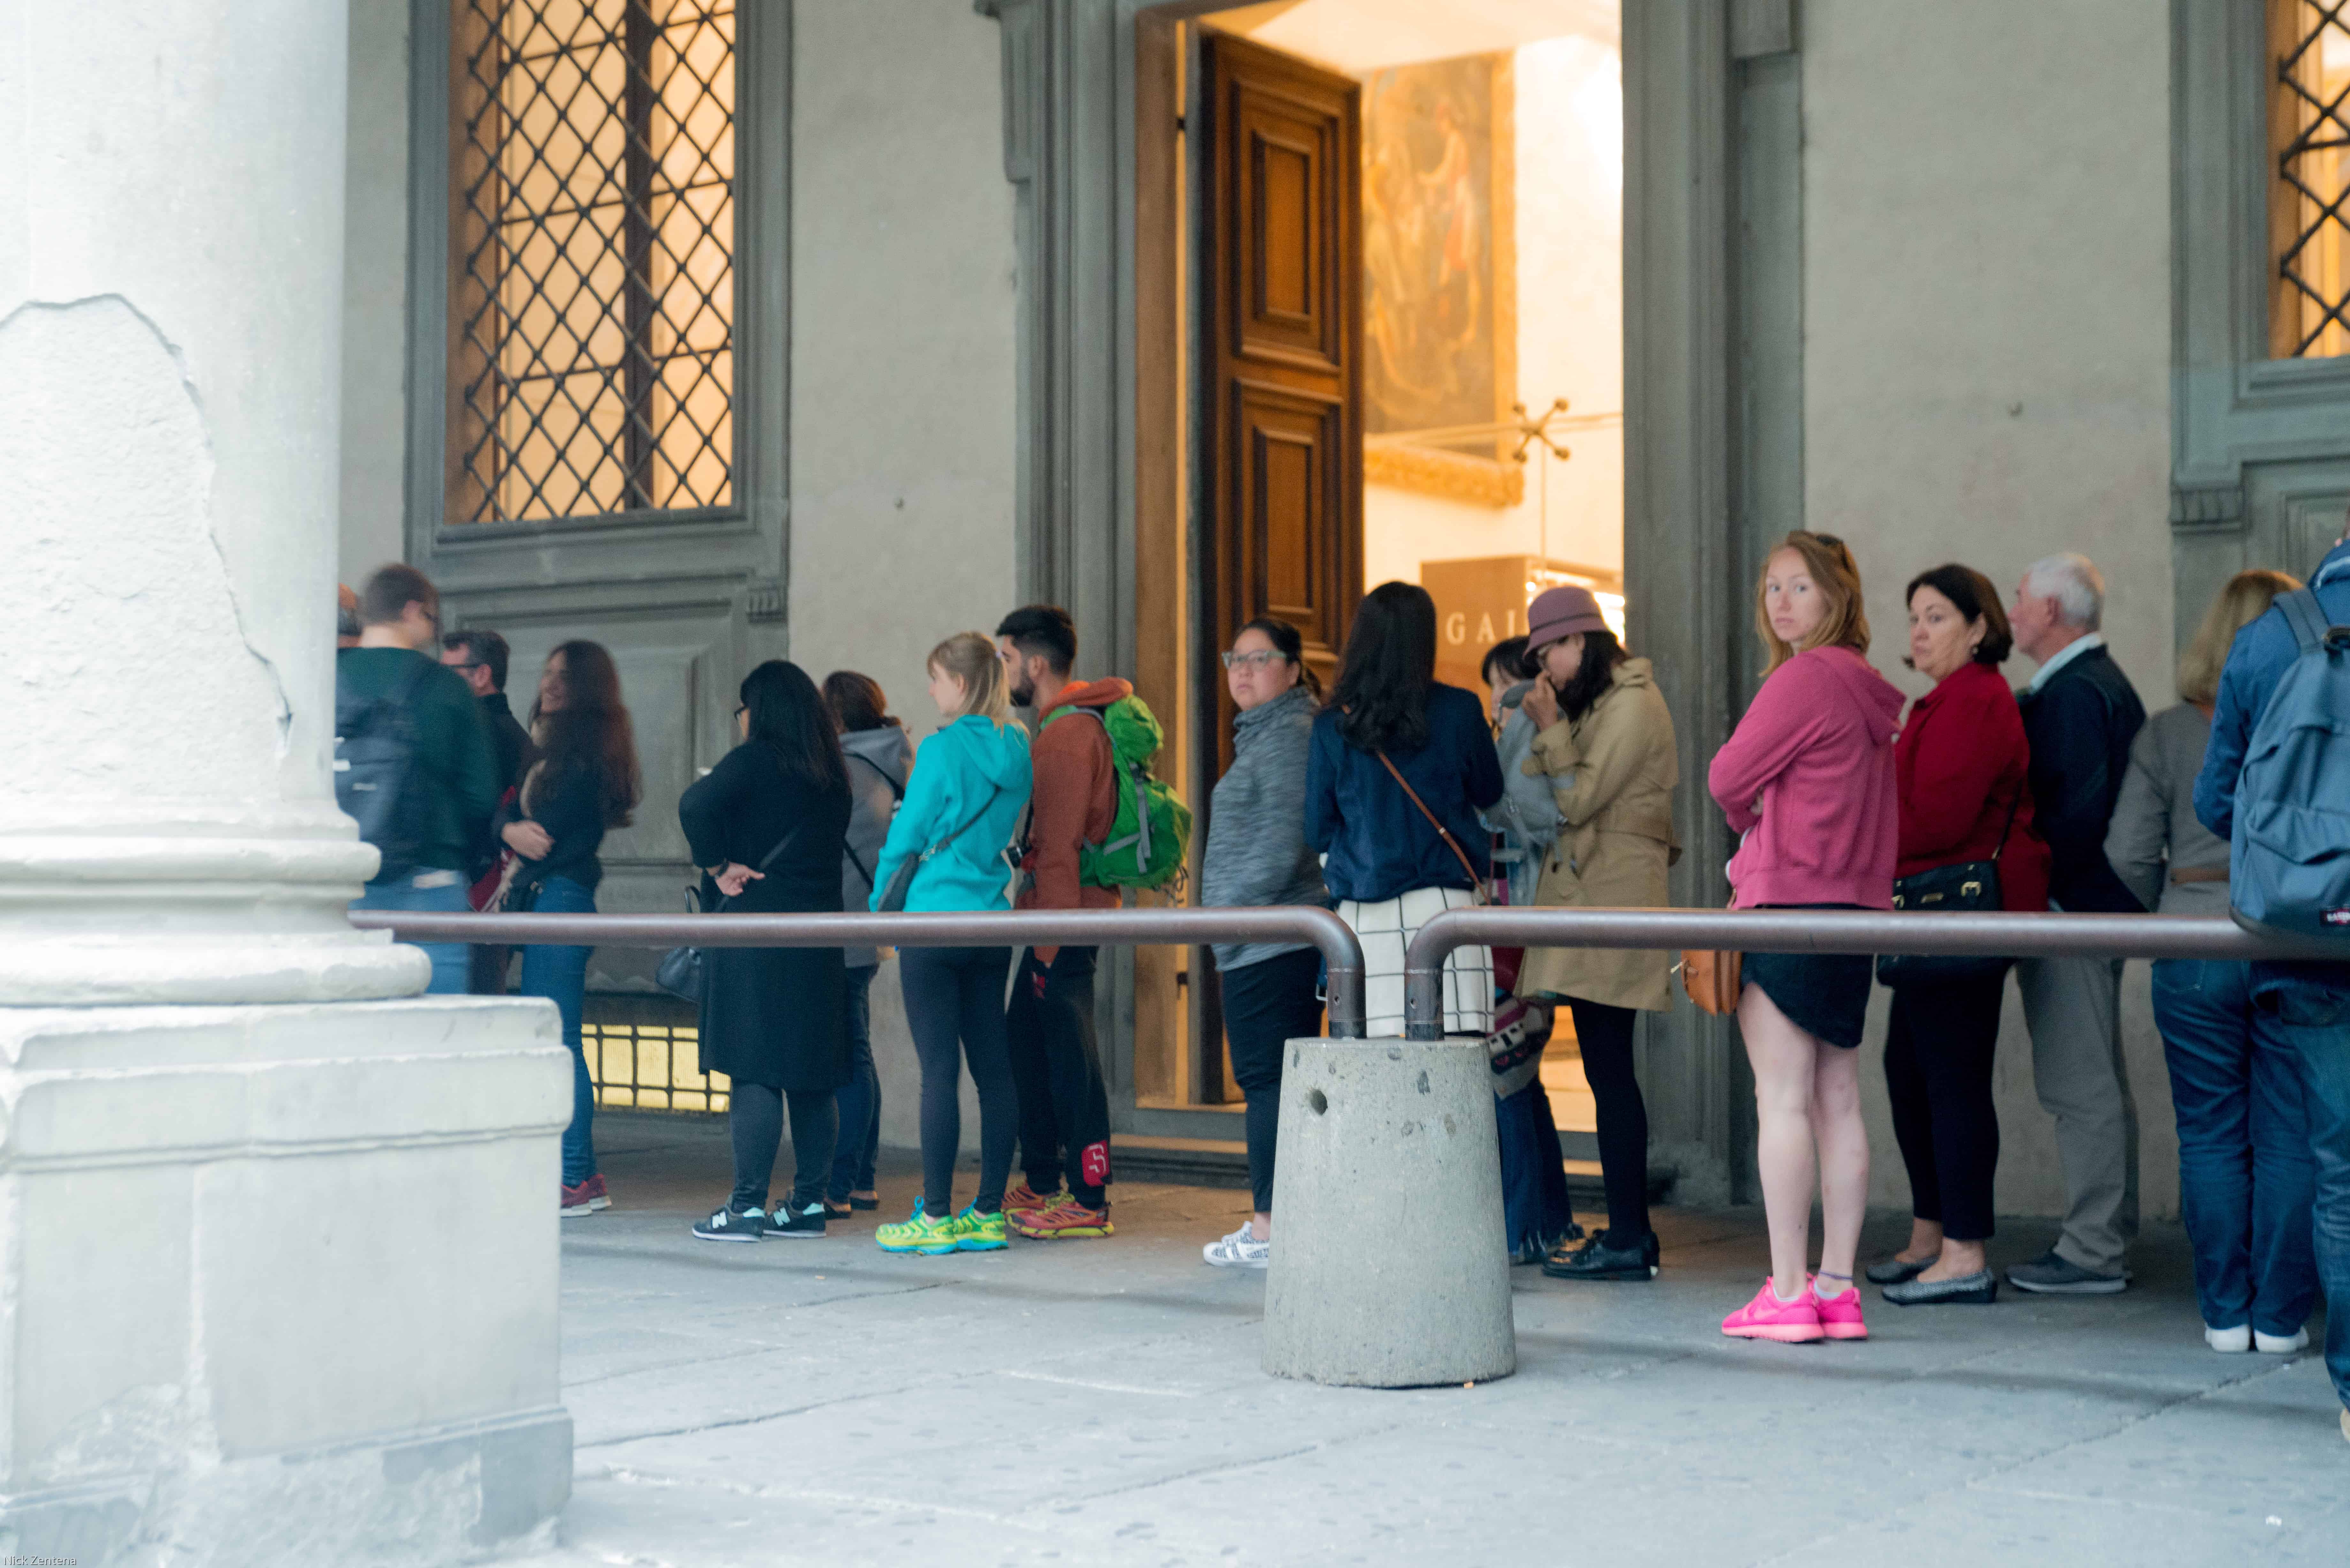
<point>2080,714</point>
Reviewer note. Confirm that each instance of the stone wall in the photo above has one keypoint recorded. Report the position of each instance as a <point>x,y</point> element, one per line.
<point>1987,361</point>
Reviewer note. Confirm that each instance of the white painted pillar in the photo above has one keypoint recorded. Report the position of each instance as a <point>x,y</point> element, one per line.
<point>277,1237</point>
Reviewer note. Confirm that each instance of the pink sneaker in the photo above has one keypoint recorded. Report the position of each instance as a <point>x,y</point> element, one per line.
<point>1839,1314</point>
<point>1767,1317</point>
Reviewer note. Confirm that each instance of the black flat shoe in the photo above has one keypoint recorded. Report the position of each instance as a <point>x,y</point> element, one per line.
<point>1894,1272</point>
<point>1596,1260</point>
<point>863,1203</point>
<point>1978,1289</point>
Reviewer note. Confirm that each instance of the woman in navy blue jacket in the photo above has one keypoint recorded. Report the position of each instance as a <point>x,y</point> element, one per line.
<point>1399,768</point>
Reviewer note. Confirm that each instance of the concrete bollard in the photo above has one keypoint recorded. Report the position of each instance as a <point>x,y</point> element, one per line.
<point>1389,1268</point>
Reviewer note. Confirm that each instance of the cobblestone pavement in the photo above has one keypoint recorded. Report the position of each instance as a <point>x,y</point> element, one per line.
<point>1100,1402</point>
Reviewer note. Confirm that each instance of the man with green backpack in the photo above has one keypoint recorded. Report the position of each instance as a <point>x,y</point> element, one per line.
<point>1099,823</point>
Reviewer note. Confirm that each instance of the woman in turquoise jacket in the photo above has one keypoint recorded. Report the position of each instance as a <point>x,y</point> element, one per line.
<point>962,805</point>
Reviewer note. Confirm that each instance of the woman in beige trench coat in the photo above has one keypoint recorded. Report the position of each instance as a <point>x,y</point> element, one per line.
<point>1605,741</point>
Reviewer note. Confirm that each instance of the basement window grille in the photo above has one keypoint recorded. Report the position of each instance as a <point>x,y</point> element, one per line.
<point>591,330</point>
<point>2309,210</point>
<point>651,1067</point>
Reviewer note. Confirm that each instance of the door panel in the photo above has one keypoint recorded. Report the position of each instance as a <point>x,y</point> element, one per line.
<point>1283,316</point>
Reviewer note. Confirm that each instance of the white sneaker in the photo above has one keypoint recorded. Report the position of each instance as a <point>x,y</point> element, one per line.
<point>1241,1249</point>
<point>2281,1343</point>
<point>2229,1341</point>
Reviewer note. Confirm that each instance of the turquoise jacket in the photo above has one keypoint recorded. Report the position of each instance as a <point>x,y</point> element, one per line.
<point>970,771</point>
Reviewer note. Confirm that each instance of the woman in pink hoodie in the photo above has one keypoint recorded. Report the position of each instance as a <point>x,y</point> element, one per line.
<point>1808,778</point>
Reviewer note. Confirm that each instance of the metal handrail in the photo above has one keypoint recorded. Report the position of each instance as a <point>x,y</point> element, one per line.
<point>1823,931</point>
<point>1341,952</point>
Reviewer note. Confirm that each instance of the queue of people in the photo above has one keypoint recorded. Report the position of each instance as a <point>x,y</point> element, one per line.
<point>1396,798</point>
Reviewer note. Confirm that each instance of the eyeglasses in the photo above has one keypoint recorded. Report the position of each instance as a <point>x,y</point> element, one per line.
<point>1257,659</point>
<point>741,709</point>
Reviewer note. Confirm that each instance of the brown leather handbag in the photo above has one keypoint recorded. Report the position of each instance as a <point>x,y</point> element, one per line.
<point>1711,979</point>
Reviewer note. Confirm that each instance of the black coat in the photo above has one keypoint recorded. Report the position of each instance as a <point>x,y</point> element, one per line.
<point>770,1016</point>
<point>2080,726</point>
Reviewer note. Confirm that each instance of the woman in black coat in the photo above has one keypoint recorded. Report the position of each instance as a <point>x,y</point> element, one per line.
<point>772,1018</point>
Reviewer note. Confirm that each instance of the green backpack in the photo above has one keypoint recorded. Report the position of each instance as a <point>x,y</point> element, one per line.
<point>1150,837</point>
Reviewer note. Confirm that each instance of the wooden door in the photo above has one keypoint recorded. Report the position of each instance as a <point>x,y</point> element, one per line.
<point>1282,314</point>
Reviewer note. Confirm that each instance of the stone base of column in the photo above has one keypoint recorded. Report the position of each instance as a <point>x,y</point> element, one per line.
<point>1389,1266</point>
<point>279,1283</point>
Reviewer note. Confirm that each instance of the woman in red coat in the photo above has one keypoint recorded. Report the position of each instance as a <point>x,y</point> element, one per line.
<point>1960,765</point>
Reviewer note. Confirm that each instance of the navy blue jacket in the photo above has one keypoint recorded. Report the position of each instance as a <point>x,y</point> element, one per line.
<point>1379,843</point>
<point>2263,653</point>
<point>2080,726</point>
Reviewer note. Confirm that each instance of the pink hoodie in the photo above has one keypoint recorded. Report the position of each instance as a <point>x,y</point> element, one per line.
<point>1817,747</point>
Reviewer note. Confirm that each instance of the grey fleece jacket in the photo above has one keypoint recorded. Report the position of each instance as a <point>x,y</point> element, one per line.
<point>1256,853</point>
<point>870,755</point>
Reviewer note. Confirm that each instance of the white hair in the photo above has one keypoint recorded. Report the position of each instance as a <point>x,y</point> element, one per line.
<point>2074,583</point>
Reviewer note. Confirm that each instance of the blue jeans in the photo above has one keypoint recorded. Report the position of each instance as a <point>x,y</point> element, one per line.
<point>2246,1181</point>
<point>2312,1013</point>
<point>860,1099</point>
<point>560,974</point>
<point>451,961</point>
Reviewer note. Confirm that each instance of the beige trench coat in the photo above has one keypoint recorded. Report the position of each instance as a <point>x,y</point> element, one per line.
<point>1613,771</point>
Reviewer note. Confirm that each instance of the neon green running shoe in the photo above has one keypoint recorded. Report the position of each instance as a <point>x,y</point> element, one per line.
<point>918,1232</point>
<point>977,1232</point>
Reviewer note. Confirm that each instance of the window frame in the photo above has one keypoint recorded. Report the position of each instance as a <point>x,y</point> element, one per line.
<point>746,537</point>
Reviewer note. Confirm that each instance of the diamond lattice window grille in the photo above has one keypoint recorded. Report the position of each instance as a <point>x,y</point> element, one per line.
<point>2309,215</point>
<point>592,258</point>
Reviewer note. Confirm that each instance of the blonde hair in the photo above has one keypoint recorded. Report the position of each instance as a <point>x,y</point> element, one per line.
<point>1830,565</point>
<point>2244,599</point>
<point>971,657</point>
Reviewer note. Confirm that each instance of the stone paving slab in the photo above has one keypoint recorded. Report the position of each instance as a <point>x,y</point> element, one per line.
<point>1099,1402</point>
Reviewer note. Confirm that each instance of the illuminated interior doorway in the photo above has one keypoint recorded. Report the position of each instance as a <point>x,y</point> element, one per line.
<point>1484,389</point>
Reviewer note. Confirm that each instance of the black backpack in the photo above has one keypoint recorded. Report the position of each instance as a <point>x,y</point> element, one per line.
<point>375,768</point>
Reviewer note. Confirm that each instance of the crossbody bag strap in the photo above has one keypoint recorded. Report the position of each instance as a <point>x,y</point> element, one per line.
<point>772,855</point>
<point>968,825</point>
<point>897,790</point>
<point>1450,843</point>
<point>2012,807</point>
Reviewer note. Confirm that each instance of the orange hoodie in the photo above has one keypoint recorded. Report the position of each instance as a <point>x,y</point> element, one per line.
<point>1073,803</point>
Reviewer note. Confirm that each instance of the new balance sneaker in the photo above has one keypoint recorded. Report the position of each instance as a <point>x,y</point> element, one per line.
<point>1767,1317</point>
<point>578,1203</point>
<point>1241,1249</point>
<point>598,1198</point>
<point>1839,1314</point>
<point>930,1234</point>
<point>1067,1221</point>
<point>1025,1200</point>
<point>730,1224</point>
<point>795,1221</point>
<point>977,1232</point>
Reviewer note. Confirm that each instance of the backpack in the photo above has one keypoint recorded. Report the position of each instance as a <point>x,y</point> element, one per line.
<point>1150,837</point>
<point>2289,857</point>
<point>375,769</point>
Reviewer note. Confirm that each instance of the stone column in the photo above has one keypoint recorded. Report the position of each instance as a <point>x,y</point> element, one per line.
<point>277,1236</point>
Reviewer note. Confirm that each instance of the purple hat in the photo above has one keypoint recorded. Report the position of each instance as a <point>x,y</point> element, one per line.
<point>1561,612</point>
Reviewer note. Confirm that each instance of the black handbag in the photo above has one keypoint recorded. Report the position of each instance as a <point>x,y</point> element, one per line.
<point>901,880</point>
<point>680,969</point>
<point>1971,884</point>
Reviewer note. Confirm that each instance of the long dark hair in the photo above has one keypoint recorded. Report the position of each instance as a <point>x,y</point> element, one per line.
<point>1601,654</point>
<point>788,716</point>
<point>1288,643</point>
<point>1382,691</point>
<point>857,702</point>
<point>1510,658</point>
<point>590,731</point>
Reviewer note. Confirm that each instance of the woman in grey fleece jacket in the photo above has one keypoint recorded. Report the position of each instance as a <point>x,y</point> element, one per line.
<point>879,758</point>
<point>1256,855</point>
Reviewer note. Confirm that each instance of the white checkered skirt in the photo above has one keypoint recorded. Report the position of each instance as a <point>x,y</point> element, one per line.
<point>1387,928</point>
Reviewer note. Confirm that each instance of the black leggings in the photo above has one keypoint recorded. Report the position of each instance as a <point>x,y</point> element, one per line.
<point>1603,1034</point>
<point>1938,1061</point>
<point>954,1006</point>
<point>755,1121</point>
<point>1266,1005</point>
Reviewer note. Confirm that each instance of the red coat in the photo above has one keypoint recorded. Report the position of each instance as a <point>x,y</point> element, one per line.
<point>1961,764</point>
